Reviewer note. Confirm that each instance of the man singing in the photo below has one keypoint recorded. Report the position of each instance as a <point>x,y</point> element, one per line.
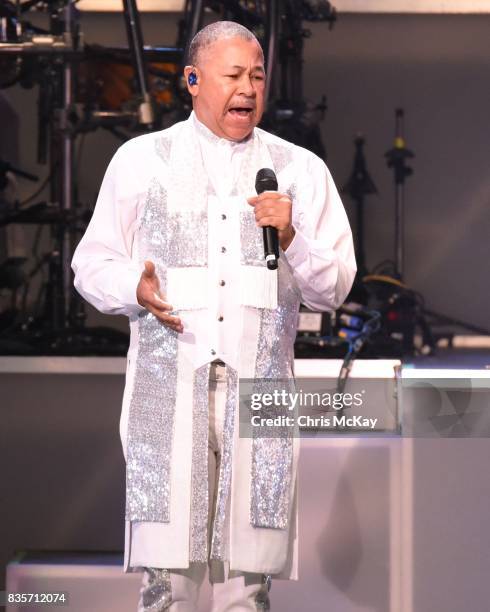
<point>175,243</point>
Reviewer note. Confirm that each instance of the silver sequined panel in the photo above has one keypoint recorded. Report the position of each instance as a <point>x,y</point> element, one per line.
<point>152,234</point>
<point>170,240</point>
<point>150,426</point>
<point>271,481</point>
<point>292,192</point>
<point>272,457</point>
<point>151,423</point>
<point>173,239</point>
<point>252,241</point>
<point>278,329</point>
<point>281,156</point>
<point>199,479</point>
<point>224,481</point>
<point>162,148</point>
<point>187,239</point>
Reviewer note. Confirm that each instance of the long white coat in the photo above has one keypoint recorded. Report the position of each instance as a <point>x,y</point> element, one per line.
<point>319,263</point>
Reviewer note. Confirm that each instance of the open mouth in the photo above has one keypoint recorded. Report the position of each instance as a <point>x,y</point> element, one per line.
<point>240,111</point>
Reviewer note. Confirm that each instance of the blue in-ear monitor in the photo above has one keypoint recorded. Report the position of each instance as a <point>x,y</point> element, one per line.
<point>192,79</point>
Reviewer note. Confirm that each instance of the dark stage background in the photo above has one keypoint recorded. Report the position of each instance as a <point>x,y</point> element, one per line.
<point>434,66</point>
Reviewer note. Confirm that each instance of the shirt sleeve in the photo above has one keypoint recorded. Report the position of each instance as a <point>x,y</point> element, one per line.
<point>321,253</point>
<point>105,274</point>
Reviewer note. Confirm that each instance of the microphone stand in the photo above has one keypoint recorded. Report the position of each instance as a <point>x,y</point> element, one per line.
<point>67,135</point>
<point>370,327</point>
<point>396,158</point>
<point>135,41</point>
<point>191,24</point>
<point>358,186</point>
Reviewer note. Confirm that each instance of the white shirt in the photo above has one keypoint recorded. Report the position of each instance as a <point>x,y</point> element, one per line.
<point>321,253</point>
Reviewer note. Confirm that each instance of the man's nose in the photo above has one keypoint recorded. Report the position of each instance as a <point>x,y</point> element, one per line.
<point>246,86</point>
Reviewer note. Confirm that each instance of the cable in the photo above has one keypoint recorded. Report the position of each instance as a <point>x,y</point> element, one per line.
<point>384,279</point>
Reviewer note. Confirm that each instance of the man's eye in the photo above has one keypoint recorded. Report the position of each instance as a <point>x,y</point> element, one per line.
<point>232,76</point>
<point>258,77</point>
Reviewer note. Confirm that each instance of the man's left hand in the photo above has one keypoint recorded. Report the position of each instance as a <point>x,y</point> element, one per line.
<point>275,209</point>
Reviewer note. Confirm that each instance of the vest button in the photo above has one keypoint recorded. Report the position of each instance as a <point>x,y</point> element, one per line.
<point>213,352</point>
<point>220,319</point>
<point>223,216</point>
<point>222,283</point>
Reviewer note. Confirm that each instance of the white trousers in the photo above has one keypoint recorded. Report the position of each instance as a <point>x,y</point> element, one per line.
<point>177,590</point>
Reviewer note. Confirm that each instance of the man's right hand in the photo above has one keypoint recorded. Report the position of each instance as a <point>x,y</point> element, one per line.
<point>149,296</point>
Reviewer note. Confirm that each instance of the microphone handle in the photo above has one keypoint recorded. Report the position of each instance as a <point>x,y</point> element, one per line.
<point>271,246</point>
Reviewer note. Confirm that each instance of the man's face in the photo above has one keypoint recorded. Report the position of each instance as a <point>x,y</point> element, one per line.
<point>229,94</point>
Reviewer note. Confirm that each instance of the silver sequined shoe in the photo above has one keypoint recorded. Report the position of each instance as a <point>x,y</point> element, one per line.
<point>157,594</point>
<point>262,598</point>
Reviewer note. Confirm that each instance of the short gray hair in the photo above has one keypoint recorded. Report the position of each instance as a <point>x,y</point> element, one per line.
<point>214,32</point>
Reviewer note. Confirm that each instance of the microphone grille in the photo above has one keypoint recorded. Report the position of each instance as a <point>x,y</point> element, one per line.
<point>265,180</point>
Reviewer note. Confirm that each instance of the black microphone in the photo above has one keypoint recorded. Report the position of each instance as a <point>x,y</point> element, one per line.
<point>266,181</point>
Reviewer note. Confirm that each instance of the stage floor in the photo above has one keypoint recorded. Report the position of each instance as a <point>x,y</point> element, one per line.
<point>387,524</point>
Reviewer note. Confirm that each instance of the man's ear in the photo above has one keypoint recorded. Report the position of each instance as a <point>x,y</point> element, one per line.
<point>191,75</point>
